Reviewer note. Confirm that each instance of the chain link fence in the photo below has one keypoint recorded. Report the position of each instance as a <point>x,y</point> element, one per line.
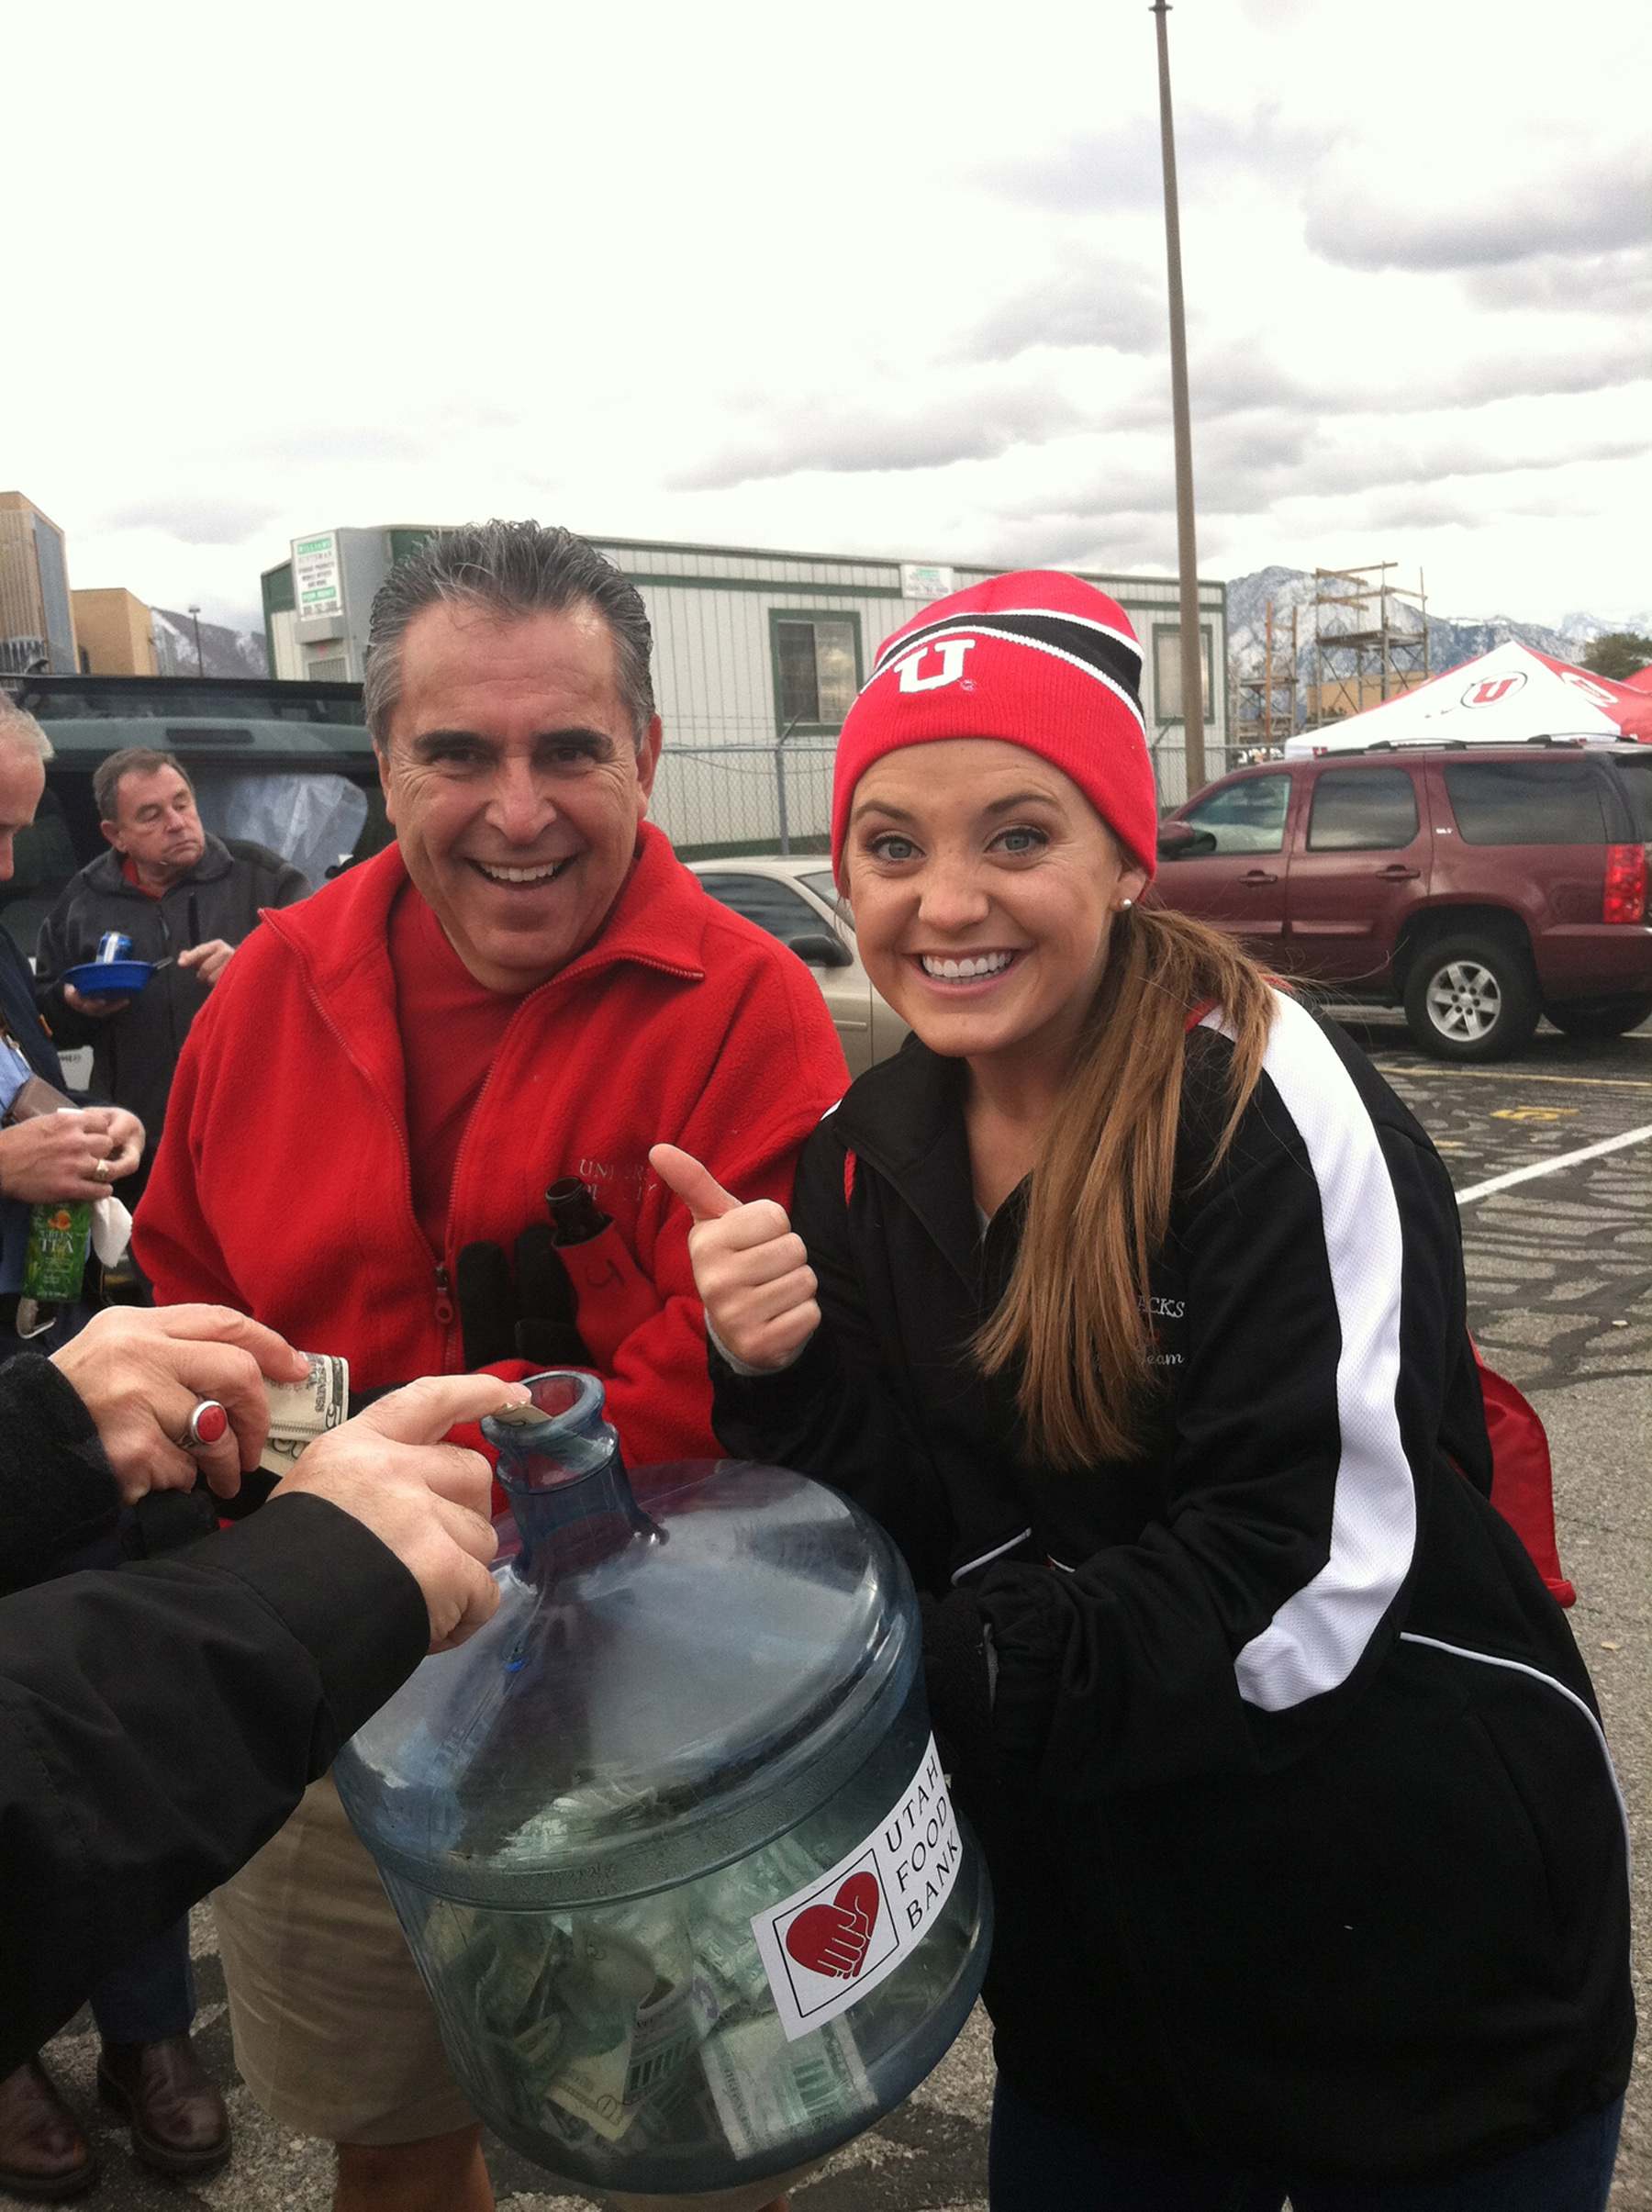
<point>713,800</point>
<point>717,800</point>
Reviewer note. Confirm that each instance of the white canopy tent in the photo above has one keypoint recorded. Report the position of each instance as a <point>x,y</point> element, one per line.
<point>1509,697</point>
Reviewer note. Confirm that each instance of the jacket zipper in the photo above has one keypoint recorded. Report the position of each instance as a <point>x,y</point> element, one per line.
<point>444,1301</point>
<point>443,1308</point>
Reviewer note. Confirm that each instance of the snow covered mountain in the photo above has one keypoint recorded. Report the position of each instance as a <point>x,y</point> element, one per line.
<point>224,652</point>
<point>1452,640</point>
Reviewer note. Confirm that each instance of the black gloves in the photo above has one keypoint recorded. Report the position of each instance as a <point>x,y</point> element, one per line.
<point>532,1318</point>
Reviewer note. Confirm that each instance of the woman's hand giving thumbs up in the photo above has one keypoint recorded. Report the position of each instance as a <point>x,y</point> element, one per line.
<point>750,1266</point>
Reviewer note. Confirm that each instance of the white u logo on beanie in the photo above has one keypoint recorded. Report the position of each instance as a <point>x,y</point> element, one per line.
<point>952,651</point>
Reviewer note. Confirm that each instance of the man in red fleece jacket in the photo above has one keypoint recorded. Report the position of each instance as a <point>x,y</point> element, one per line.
<point>527,987</point>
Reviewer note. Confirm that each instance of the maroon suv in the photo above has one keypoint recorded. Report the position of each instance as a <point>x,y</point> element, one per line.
<point>1478,888</point>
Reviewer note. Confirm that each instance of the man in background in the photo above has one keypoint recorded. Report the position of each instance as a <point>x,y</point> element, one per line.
<point>183,898</point>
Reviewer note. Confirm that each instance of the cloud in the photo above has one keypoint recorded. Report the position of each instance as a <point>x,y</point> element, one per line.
<point>1522,374</point>
<point>194,521</point>
<point>1596,284</point>
<point>1120,170</point>
<point>1091,300</point>
<point>822,433</point>
<point>1253,466</point>
<point>1598,209</point>
<point>1243,381</point>
<point>1424,506</point>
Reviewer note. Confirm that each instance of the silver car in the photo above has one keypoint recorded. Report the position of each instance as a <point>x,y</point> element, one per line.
<point>795,900</point>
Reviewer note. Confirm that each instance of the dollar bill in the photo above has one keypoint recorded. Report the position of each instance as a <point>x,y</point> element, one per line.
<point>300,1412</point>
<point>593,2089</point>
<point>523,1416</point>
<point>770,2092</point>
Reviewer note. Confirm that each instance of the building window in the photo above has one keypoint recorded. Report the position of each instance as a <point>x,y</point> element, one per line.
<point>817,668</point>
<point>1167,673</point>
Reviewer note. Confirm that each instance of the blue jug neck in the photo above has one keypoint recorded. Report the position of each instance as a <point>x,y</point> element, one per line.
<point>570,1495</point>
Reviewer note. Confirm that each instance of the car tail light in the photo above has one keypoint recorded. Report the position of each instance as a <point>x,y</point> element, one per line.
<point>1625,897</point>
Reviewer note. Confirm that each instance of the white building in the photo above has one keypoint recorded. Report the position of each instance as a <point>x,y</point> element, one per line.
<point>757,657</point>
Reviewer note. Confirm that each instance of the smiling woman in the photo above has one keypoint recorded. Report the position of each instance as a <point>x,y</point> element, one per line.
<point>1131,1301</point>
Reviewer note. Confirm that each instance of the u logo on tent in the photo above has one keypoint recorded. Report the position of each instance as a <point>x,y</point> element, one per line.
<point>1491,688</point>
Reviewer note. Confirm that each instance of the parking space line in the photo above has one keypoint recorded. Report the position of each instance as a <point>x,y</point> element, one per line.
<point>1563,1159</point>
<point>1516,1074</point>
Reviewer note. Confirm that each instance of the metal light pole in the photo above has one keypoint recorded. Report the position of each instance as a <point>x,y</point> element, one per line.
<point>195,616</point>
<point>1192,656</point>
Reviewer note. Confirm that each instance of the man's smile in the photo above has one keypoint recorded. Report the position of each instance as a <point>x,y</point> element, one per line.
<point>538,872</point>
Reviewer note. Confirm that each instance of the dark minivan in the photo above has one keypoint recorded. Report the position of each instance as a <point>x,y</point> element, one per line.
<point>1478,888</point>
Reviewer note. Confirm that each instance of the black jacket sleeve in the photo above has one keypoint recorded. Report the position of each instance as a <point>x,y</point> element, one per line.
<point>158,1722</point>
<point>57,1494</point>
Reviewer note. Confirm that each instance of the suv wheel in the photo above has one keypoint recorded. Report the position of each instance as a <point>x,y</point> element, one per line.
<point>1600,1017</point>
<point>1471,998</point>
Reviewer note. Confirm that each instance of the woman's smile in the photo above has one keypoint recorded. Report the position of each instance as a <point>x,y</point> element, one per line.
<point>955,970</point>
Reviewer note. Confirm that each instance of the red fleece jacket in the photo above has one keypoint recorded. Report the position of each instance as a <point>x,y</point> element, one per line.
<point>281,1185</point>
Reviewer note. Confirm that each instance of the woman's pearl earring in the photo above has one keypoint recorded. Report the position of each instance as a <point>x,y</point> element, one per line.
<point>1124,905</point>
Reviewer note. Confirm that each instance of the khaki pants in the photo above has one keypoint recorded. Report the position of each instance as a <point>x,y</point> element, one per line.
<point>334,2034</point>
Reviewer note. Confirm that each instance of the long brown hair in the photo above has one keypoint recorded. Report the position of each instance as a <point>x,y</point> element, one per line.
<point>1075,1318</point>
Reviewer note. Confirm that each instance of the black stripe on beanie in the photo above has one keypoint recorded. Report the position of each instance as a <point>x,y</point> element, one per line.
<point>1102,651</point>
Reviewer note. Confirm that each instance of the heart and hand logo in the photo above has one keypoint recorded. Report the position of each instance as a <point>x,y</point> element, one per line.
<point>831,1938</point>
<point>847,1930</point>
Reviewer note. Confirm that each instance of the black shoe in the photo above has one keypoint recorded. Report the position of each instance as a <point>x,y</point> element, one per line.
<point>42,2150</point>
<point>179,2123</point>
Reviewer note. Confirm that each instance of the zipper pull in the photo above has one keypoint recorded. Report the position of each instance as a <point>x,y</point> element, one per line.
<point>445,1303</point>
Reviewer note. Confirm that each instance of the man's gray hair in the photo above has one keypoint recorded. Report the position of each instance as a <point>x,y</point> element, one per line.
<point>19,727</point>
<point>510,569</point>
<point>132,760</point>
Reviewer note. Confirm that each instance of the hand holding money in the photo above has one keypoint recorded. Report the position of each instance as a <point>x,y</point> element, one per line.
<point>141,1373</point>
<point>428,1501</point>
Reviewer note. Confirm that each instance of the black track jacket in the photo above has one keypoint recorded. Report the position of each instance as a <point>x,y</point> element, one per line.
<point>1306,1847</point>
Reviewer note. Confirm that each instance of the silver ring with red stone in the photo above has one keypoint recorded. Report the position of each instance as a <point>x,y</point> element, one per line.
<point>207,1424</point>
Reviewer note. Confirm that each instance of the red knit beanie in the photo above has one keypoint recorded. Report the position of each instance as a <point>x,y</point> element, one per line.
<point>1038,659</point>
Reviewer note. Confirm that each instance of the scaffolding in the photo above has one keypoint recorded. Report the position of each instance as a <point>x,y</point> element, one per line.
<point>1363,663</point>
<point>1265,702</point>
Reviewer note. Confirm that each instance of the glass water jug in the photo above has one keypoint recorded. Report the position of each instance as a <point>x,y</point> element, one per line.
<point>669,1838</point>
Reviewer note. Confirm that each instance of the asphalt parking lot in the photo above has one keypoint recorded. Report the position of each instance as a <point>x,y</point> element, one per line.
<point>1560,1300</point>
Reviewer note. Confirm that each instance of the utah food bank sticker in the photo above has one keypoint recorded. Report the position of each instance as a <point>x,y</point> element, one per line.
<point>824,1946</point>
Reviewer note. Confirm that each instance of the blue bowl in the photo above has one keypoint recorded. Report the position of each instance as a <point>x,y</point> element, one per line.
<point>109,979</point>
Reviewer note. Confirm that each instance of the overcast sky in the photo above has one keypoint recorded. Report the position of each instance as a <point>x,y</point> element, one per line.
<point>871,278</point>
